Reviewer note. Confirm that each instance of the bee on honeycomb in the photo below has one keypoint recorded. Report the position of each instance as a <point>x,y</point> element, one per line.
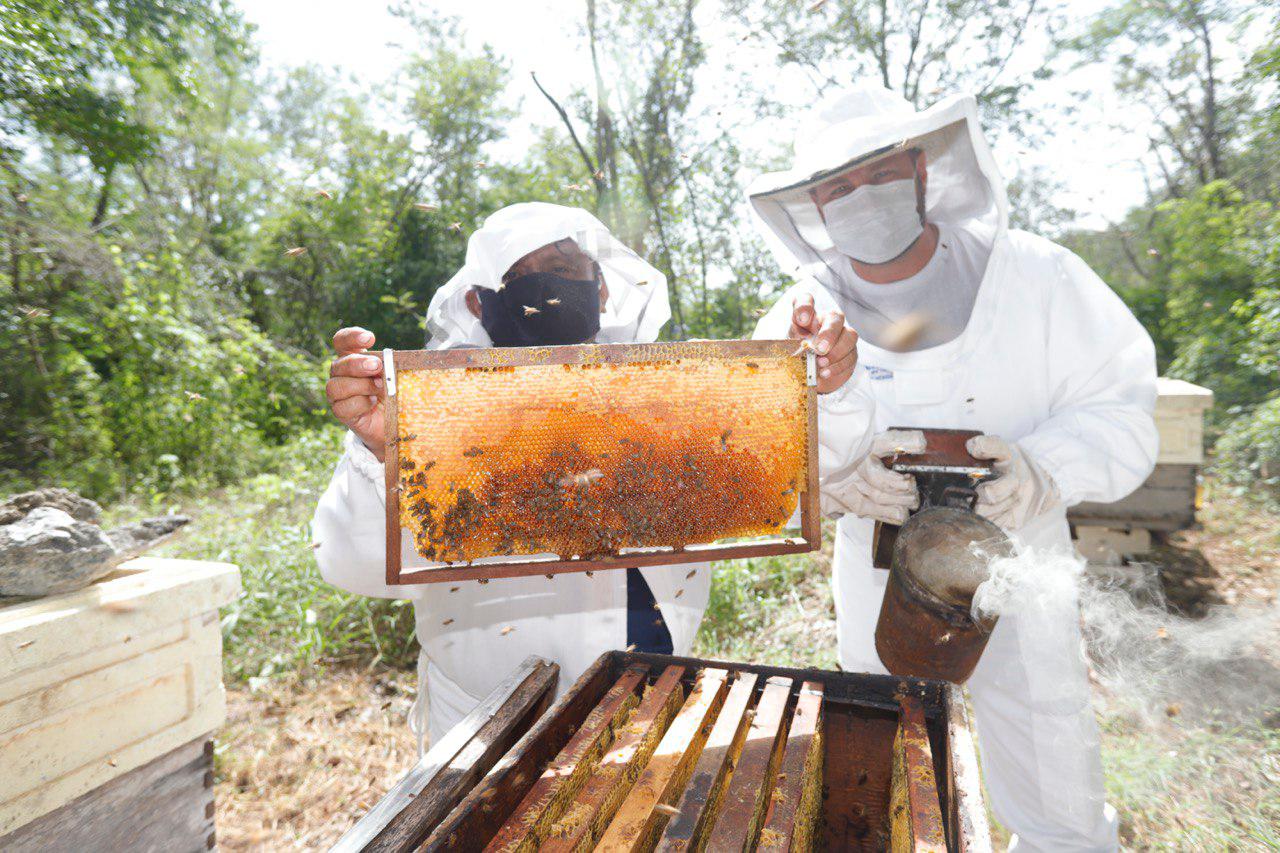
<point>585,460</point>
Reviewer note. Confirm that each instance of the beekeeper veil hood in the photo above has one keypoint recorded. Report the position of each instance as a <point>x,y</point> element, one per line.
<point>857,127</point>
<point>637,305</point>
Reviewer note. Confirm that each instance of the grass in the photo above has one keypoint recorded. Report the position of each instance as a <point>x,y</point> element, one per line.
<point>774,610</point>
<point>1176,788</point>
<point>288,619</point>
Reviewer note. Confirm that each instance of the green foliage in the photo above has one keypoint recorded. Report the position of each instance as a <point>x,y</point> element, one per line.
<point>288,619</point>
<point>66,67</point>
<point>1208,264</point>
<point>136,388</point>
<point>1248,454</point>
<point>770,610</point>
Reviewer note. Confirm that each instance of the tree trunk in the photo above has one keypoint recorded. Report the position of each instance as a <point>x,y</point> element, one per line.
<point>104,197</point>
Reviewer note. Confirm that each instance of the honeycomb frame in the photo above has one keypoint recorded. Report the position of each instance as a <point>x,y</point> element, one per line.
<point>567,444</point>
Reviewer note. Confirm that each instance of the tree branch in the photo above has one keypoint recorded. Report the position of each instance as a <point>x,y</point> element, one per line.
<point>573,134</point>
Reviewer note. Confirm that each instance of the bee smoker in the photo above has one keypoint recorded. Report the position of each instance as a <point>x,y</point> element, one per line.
<point>936,561</point>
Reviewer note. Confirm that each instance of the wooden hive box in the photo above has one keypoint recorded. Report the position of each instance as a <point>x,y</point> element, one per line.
<point>108,695</point>
<point>1168,500</point>
<point>652,752</point>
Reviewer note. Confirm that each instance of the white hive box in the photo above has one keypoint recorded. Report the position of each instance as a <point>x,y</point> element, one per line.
<point>1180,409</point>
<point>98,682</point>
<point>1167,501</point>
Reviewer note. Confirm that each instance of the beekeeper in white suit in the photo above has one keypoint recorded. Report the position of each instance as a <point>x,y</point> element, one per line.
<point>899,218</point>
<point>522,254</point>
<point>472,635</point>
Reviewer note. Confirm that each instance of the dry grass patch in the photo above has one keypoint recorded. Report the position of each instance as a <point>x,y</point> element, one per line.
<point>298,762</point>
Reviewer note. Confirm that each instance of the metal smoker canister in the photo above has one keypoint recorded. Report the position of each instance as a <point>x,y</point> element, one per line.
<point>925,629</point>
<point>941,556</point>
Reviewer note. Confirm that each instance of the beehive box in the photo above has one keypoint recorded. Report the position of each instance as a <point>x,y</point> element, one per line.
<point>105,680</point>
<point>534,460</point>
<point>1180,410</point>
<point>1167,501</point>
<point>653,752</point>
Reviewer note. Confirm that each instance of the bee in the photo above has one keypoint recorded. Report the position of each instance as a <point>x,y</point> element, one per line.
<point>324,194</point>
<point>691,574</point>
<point>448,622</point>
<point>455,226</point>
<point>423,206</point>
<point>295,251</point>
<point>553,301</point>
<point>507,630</point>
<point>529,311</point>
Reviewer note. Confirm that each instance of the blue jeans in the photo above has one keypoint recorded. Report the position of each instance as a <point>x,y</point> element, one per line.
<point>646,629</point>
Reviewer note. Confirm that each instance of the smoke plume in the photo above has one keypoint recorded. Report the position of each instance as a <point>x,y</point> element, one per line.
<point>1144,660</point>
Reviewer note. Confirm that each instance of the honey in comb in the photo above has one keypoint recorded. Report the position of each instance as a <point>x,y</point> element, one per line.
<point>584,460</point>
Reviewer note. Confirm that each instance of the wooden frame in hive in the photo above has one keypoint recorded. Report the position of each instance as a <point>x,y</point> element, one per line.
<point>509,462</point>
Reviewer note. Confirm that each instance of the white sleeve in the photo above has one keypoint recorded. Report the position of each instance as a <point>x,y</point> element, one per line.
<point>349,527</point>
<point>846,416</point>
<point>1099,442</point>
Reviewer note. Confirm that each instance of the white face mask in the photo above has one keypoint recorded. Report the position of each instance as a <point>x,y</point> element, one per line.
<point>876,222</point>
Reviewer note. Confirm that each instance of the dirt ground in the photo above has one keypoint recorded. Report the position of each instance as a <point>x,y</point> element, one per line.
<point>299,762</point>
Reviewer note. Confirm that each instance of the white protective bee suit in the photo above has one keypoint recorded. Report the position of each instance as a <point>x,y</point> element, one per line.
<point>1051,360</point>
<point>570,619</point>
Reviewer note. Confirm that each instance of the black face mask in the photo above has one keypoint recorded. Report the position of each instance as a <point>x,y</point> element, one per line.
<point>565,311</point>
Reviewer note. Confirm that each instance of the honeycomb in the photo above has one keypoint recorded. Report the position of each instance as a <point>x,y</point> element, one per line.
<point>687,443</point>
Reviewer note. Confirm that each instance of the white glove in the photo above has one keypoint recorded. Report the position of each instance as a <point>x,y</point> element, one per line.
<point>870,490</point>
<point>1023,489</point>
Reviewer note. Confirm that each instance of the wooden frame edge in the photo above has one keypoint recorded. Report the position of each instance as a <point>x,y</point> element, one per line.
<point>391,466</point>
<point>368,833</point>
<point>810,538</point>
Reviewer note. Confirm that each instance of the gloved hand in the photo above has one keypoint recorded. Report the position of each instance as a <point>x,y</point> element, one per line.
<point>870,490</point>
<point>1023,489</point>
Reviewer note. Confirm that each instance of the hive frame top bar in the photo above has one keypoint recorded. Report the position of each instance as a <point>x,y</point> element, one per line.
<point>397,361</point>
<point>588,354</point>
